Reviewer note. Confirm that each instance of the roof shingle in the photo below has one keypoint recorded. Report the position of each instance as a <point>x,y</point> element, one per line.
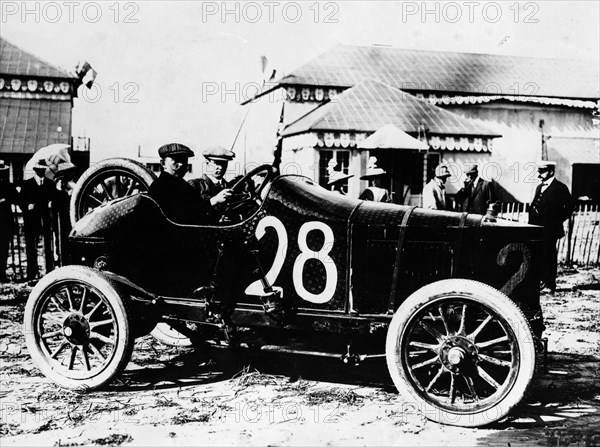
<point>345,66</point>
<point>371,105</point>
<point>16,61</point>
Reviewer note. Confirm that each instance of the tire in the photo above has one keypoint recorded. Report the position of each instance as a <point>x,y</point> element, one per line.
<point>78,328</point>
<point>461,352</point>
<point>107,180</point>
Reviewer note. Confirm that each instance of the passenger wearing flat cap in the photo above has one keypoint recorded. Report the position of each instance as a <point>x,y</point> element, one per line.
<point>375,192</point>
<point>434,192</point>
<point>476,194</point>
<point>552,204</point>
<point>174,195</point>
<point>212,185</point>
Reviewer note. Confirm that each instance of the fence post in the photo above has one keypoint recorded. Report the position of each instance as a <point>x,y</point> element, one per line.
<point>569,235</point>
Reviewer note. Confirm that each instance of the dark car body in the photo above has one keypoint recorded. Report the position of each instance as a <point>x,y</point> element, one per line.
<point>342,264</point>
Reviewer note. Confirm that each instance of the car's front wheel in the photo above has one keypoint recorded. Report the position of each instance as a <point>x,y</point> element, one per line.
<point>78,328</point>
<point>460,352</point>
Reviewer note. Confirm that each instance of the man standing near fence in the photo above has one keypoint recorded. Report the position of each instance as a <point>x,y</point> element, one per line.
<point>552,204</point>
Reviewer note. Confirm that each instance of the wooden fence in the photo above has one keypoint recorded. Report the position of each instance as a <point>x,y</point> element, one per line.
<point>581,245</point>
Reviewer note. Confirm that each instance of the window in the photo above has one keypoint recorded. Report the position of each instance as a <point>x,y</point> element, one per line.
<point>342,157</point>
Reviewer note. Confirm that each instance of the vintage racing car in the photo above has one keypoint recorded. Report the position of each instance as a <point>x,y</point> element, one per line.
<point>450,299</point>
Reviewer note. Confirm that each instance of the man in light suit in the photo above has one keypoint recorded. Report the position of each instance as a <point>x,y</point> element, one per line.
<point>476,194</point>
<point>434,192</point>
<point>551,206</point>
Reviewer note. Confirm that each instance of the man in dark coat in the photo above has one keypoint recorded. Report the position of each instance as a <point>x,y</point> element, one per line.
<point>551,206</point>
<point>476,194</point>
<point>36,195</point>
<point>212,184</point>
<point>8,196</point>
<point>176,197</point>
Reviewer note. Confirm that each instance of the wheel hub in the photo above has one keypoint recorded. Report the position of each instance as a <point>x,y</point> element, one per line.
<point>76,329</point>
<point>458,354</point>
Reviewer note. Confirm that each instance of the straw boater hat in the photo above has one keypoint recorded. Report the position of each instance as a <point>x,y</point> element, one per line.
<point>3,166</point>
<point>372,170</point>
<point>337,176</point>
<point>545,165</point>
<point>64,169</point>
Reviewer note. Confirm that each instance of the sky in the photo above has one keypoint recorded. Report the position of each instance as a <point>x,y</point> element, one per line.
<point>178,70</point>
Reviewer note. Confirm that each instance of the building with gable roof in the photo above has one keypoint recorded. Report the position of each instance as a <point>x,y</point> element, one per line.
<point>490,109</point>
<point>37,104</point>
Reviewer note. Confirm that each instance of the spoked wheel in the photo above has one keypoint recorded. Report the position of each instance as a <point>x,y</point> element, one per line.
<point>462,351</point>
<point>110,179</point>
<point>77,328</point>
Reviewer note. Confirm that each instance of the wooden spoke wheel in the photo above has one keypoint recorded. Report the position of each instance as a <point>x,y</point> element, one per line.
<point>461,351</point>
<point>108,180</point>
<point>78,328</point>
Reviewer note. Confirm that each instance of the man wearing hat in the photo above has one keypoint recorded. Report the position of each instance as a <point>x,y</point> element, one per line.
<point>337,180</point>
<point>65,183</point>
<point>476,194</point>
<point>375,192</point>
<point>434,192</point>
<point>212,185</point>
<point>8,196</point>
<point>552,204</point>
<point>36,195</point>
<point>178,200</point>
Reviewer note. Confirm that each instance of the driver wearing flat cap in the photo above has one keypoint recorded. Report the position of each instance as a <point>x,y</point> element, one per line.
<point>212,185</point>
<point>174,195</point>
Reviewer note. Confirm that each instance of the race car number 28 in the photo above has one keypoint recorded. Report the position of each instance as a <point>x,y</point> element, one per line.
<point>322,255</point>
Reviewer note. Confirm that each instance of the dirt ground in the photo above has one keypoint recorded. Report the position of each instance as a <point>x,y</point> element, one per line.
<point>175,396</point>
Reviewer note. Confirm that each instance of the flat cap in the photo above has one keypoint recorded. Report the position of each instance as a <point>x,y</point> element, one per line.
<point>544,165</point>
<point>171,149</point>
<point>218,153</point>
<point>442,171</point>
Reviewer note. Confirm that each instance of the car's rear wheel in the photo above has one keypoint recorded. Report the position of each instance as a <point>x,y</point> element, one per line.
<point>78,328</point>
<point>107,180</point>
<point>461,352</point>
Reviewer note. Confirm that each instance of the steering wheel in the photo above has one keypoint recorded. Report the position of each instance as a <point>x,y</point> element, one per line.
<point>247,194</point>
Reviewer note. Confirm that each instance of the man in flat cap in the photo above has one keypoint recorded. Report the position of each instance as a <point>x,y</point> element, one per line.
<point>212,185</point>
<point>178,200</point>
<point>434,192</point>
<point>552,204</point>
<point>476,194</point>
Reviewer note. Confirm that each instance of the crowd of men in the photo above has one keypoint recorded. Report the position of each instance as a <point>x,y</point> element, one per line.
<point>44,203</point>
<point>200,201</point>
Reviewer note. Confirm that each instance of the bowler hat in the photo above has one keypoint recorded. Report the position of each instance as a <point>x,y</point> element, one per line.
<point>472,169</point>
<point>168,150</point>
<point>40,165</point>
<point>218,153</point>
<point>64,169</point>
<point>442,171</point>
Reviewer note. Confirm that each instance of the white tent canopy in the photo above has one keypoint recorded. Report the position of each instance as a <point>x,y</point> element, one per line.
<point>391,137</point>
